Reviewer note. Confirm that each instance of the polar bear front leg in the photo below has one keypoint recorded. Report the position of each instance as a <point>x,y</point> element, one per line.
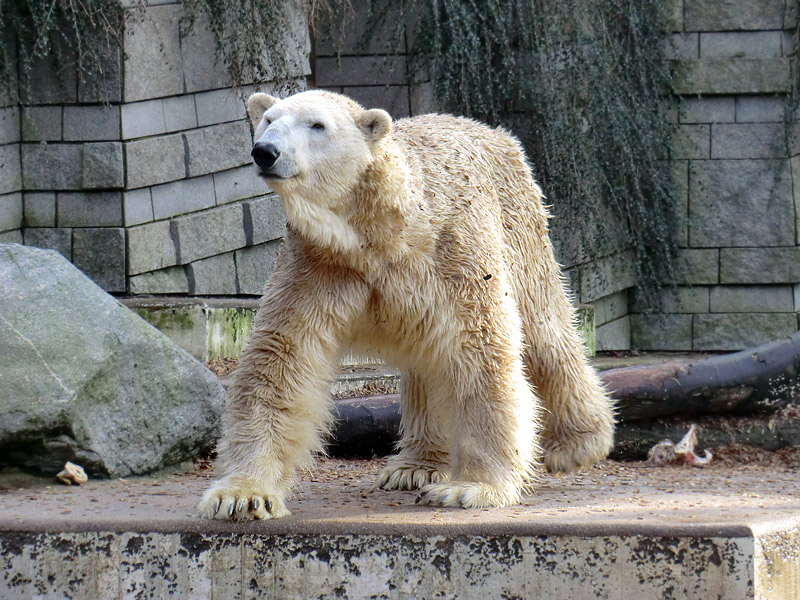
<point>278,407</point>
<point>424,454</point>
<point>277,411</point>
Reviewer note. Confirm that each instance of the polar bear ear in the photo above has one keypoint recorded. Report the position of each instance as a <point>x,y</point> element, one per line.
<point>375,123</point>
<point>257,105</point>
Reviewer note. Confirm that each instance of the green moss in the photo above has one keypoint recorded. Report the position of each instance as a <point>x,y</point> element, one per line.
<point>228,331</point>
<point>586,327</point>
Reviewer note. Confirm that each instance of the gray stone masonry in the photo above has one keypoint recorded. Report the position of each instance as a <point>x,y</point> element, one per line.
<point>214,276</point>
<point>254,265</point>
<point>171,280</point>
<point>740,330</point>
<point>39,209</point>
<point>11,181</point>
<point>100,254</point>
<point>737,181</point>
<point>10,211</point>
<point>210,232</point>
<point>51,238</point>
<point>90,209</point>
<point>110,171</point>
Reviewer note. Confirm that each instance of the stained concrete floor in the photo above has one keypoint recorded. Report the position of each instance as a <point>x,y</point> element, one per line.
<point>338,497</point>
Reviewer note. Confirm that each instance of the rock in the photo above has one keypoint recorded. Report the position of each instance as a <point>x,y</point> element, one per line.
<point>84,379</point>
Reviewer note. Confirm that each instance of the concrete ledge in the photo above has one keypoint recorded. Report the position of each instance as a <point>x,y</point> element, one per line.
<point>616,532</point>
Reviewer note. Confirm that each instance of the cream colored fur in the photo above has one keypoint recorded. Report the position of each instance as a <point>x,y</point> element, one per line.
<point>426,238</point>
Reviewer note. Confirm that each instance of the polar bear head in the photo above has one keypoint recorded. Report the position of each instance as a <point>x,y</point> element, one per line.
<point>313,138</point>
<point>313,149</point>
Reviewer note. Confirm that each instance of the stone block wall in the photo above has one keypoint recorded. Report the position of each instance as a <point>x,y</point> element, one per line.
<point>735,178</point>
<point>148,186</point>
<point>374,69</point>
<point>735,168</point>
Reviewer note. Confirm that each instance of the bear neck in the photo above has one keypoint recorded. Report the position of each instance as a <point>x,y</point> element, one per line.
<point>366,228</point>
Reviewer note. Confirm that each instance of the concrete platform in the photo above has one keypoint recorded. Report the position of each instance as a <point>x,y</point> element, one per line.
<point>620,531</point>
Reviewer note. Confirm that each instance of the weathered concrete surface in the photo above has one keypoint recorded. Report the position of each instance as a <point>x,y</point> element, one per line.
<point>616,532</point>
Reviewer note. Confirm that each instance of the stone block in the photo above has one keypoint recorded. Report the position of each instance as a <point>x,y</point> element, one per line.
<point>42,123</point>
<point>11,237</point>
<point>680,300</point>
<point>39,209</point>
<point>219,106</point>
<point>673,15</point>
<point>11,211</point>
<point>370,31</point>
<point>724,15</point>
<point>614,335</point>
<point>184,196</point>
<point>155,160</point>
<point>661,332</point>
<point>733,76</point>
<point>740,203</point>
<point>50,238</point>
<point>748,140</point>
<point>47,82</point>
<point>238,183</point>
<point>11,181</point>
<point>103,87</point>
<point>142,119</point>
<point>264,219</point>
<point>151,247</point>
<point>680,181</point>
<point>90,209</point>
<point>103,165</point>
<point>217,147</point>
<point>100,254</point>
<point>707,110</point>
<point>91,123</point>
<point>171,280</point>
<point>682,46</point>
<point>210,232</point>
<point>697,266</point>
<point>202,69</point>
<point>737,331</point>
<point>153,62</point>
<point>752,299</point>
<point>180,113</point>
<point>759,265</point>
<point>52,166</point>
<point>361,70</point>
<point>607,276</point>
<point>254,266</point>
<point>10,129</point>
<point>760,109</point>
<point>137,207</point>
<point>215,275</point>
<point>691,141</point>
<point>422,99</point>
<point>393,99</point>
<point>610,308</point>
<point>741,44</point>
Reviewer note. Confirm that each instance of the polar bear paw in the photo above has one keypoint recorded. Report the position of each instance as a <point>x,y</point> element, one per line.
<point>408,474</point>
<point>466,494</point>
<point>578,452</point>
<point>240,498</point>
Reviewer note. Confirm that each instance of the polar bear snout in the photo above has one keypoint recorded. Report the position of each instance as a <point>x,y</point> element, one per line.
<point>265,154</point>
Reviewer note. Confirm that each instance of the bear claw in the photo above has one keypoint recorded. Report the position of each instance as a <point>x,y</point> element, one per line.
<point>237,501</point>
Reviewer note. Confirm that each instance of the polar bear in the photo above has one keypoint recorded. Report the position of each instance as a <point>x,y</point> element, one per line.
<point>425,238</point>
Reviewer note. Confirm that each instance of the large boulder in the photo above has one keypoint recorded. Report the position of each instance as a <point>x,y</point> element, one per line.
<point>82,378</point>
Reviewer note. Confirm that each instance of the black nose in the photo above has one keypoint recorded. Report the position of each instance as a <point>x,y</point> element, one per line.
<point>265,154</point>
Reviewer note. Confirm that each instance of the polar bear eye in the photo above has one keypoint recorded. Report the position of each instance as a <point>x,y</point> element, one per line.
<point>318,126</point>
